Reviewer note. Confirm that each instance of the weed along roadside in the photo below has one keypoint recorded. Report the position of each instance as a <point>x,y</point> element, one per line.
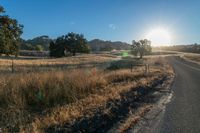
<point>146,68</point>
<point>79,99</point>
<point>114,111</point>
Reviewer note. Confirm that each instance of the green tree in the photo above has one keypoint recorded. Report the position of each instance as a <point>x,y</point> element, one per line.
<point>52,49</point>
<point>57,48</point>
<point>142,47</point>
<point>71,43</point>
<point>39,48</point>
<point>10,32</point>
<point>76,43</point>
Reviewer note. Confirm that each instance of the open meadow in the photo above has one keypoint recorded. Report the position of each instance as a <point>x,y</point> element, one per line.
<point>30,64</point>
<point>192,57</point>
<point>43,94</point>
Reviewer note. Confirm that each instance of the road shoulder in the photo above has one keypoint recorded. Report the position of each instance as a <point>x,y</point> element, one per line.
<point>147,120</point>
<point>150,122</point>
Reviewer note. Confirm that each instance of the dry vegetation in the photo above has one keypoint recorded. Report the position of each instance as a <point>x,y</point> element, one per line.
<point>134,118</point>
<point>35,101</point>
<point>24,64</point>
<point>192,57</point>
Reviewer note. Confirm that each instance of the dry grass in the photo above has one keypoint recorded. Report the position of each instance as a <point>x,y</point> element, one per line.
<point>133,119</point>
<point>66,60</point>
<point>41,88</point>
<point>21,64</point>
<point>193,57</point>
<point>37,100</point>
<point>84,107</point>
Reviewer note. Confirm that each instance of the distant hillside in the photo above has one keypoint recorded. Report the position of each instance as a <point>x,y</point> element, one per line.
<point>193,48</point>
<point>101,45</point>
<point>41,43</point>
<point>38,43</point>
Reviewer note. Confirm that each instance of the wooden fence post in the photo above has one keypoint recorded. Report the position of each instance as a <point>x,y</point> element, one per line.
<point>12,66</point>
<point>131,67</point>
<point>146,69</point>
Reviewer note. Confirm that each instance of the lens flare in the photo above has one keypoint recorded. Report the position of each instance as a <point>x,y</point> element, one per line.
<point>159,37</point>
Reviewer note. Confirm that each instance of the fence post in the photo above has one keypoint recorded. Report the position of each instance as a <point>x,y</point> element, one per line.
<point>12,66</point>
<point>146,69</point>
<point>131,67</point>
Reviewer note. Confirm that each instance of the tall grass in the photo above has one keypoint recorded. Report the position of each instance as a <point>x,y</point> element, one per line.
<point>47,89</point>
<point>23,96</point>
<point>23,65</point>
<point>192,57</point>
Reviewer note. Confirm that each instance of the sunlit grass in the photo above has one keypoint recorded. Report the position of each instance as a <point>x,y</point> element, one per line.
<point>35,100</point>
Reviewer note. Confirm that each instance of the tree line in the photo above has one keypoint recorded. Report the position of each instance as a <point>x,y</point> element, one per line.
<point>98,45</point>
<point>40,43</point>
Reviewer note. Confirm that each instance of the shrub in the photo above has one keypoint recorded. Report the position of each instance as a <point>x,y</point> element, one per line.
<point>124,63</point>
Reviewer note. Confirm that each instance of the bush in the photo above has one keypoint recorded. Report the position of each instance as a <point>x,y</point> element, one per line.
<point>124,63</point>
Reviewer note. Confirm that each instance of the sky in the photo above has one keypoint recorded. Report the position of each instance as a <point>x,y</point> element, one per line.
<point>115,20</point>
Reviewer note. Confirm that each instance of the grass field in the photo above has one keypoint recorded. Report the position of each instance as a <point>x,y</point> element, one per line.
<point>33,98</point>
<point>192,57</point>
<point>24,64</point>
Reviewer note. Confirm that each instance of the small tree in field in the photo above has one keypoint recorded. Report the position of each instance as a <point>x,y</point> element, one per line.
<point>142,47</point>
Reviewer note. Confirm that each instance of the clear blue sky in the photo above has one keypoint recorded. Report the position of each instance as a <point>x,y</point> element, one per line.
<point>123,20</point>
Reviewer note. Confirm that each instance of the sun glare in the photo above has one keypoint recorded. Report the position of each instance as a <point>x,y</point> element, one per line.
<point>159,37</point>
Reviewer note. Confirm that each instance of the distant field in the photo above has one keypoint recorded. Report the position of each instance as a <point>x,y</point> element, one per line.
<point>192,57</point>
<point>163,52</point>
<point>186,55</point>
<point>28,64</point>
<point>34,64</point>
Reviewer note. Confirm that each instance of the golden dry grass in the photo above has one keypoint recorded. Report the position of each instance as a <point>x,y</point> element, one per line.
<point>65,114</point>
<point>65,60</point>
<point>21,64</point>
<point>133,119</point>
<point>36,100</point>
<point>193,57</point>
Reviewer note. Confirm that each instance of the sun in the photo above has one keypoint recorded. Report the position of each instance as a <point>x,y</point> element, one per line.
<point>159,37</point>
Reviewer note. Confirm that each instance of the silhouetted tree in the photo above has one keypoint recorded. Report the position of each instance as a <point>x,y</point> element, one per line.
<point>52,49</point>
<point>142,47</point>
<point>56,48</point>
<point>71,43</point>
<point>76,43</point>
<point>10,32</point>
<point>1,9</point>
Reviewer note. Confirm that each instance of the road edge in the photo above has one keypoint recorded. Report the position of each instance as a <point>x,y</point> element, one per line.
<point>149,123</point>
